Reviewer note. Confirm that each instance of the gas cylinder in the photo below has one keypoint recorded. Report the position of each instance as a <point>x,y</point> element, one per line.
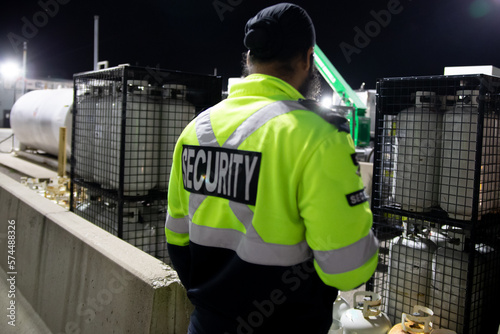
<point>105,141</point>
<point>177,112</point>
<point>154,119</point>
<point>141,131</point>
<point>336,327</point>
<point>450,266</point>
<point>83,156</point>
<point>418,134</point>
<point>420,321</point>
<point>90,129</point>
<point>365,317</point>
<point>409,273</point>
<point>339,307</point>
<point>458,162</point>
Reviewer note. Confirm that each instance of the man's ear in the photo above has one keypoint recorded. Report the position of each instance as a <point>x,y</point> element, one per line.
<point>309,59</point>
<point>248,58</point>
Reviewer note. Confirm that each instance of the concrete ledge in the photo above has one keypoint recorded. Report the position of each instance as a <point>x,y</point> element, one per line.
<point>26,167</point>
<point>79,278</point>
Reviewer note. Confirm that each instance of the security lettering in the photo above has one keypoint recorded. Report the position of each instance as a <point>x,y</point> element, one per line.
<point>220,172</point>
<point>357,197</point>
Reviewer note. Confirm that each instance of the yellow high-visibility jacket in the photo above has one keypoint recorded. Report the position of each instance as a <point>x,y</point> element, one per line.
<point>270,184</point>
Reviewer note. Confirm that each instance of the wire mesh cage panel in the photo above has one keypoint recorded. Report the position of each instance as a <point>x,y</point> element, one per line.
<point>126,121</point>
<point>438,142</point>
<point>436,197</point>
<point>141,221</point>
<point>452,270</point>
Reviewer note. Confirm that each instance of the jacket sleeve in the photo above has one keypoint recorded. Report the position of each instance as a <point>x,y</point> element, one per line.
<point>177,223</point>
<point>336,214</point>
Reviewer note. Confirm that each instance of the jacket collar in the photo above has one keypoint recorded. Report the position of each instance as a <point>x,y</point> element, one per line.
<point>266,86</point>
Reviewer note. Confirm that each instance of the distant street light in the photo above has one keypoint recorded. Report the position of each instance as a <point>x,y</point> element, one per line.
<point>10,71</point>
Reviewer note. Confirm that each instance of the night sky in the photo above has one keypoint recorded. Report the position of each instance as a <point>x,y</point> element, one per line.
<point>365,40</point>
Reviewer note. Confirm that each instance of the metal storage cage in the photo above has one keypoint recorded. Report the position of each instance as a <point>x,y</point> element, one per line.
<point>126,121</point>
<point>436,198</point>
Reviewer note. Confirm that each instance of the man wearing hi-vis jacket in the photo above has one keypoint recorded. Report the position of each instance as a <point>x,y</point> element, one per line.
<point>267,216</point>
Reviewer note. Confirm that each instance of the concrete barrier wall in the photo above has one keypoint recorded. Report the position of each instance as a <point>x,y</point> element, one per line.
<point>81,279</point>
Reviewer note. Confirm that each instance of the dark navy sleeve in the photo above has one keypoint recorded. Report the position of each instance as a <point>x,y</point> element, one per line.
<point>181,261</point>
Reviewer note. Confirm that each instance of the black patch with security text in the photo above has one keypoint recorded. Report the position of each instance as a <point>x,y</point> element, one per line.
<point>226,173</point>
<point>357,197</point>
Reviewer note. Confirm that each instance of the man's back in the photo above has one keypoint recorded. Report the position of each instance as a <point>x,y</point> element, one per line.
<point>250,259</point>
<point>267,215</point>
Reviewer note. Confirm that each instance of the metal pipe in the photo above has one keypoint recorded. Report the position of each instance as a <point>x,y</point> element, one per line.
<point>25,51</point>
<point>61,166</point>
<point>96,42</point>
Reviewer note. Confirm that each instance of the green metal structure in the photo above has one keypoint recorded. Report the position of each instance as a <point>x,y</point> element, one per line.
<point>356,109</point>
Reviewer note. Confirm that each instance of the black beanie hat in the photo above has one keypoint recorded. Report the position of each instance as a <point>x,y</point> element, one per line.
<point>278,30</point>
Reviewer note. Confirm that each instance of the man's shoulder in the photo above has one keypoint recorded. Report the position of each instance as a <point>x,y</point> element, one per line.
<point>329,115</point>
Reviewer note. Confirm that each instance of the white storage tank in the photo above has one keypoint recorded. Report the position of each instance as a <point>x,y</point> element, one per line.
<point>37,116</point>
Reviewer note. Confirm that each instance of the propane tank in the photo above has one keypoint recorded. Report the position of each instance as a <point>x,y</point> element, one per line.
<point>155,118</point>
<point>339,307</point>
<point>449,280</point>
<point>409,273</point>
<point>142,118</point>
<point>420,321</point>
<point>458,160</point>
<point>418,134</point>
<point>140,135</point>
<point>37,116</point>
<point>87,134</point>
<point>365,317</point>
<point>105,140</point>
<point>336,327</point>
<point>177,113</point>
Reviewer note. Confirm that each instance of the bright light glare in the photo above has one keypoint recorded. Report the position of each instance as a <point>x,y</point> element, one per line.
<point>10,70</point>
<point>326,102</point>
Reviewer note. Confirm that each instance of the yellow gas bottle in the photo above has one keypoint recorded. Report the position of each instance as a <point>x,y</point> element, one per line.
<point>398,329</point>
<point>365,317</point>
<point>420,321</point>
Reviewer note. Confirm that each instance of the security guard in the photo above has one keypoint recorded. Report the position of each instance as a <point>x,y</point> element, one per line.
<point>267,216</point>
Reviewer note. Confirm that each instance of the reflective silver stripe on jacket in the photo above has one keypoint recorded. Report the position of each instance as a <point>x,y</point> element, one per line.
<point>177,225</point>
<point>358,253</point>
